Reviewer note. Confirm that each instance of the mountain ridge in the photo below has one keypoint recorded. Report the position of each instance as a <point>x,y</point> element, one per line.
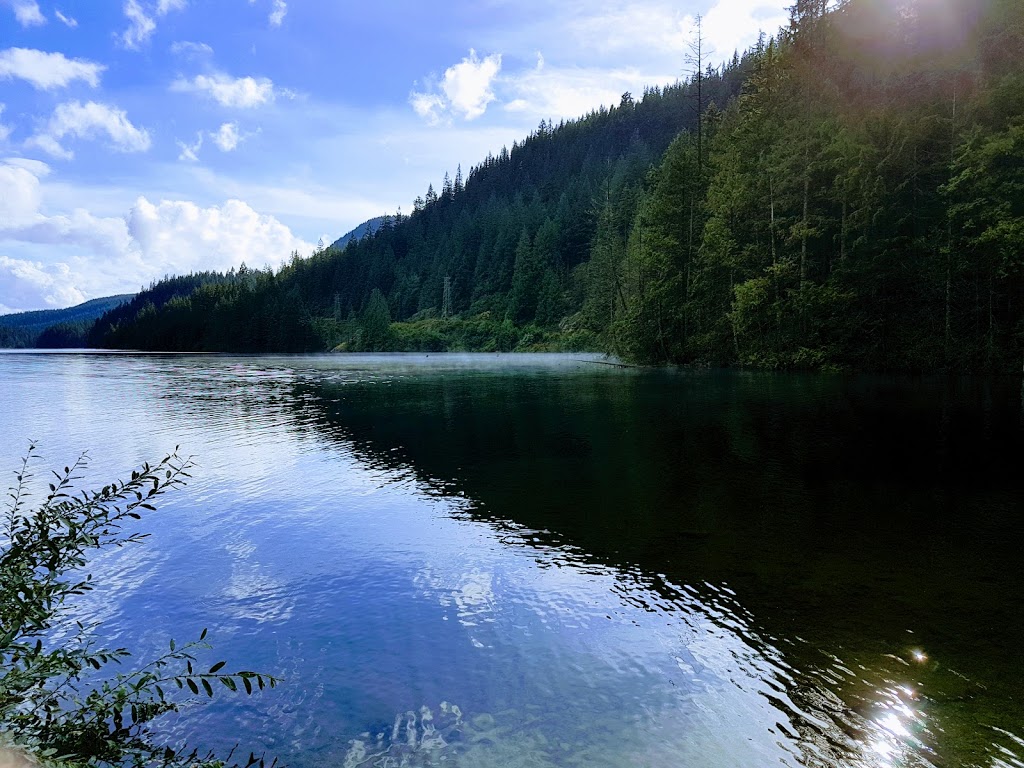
<point>23,329</point>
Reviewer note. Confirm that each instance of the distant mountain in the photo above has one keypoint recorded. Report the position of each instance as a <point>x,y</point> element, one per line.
<point>56,327</point>
<point>366,228</point>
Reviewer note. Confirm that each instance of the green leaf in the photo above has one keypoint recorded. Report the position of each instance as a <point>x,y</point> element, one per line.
<point>206,686</point>
<point>217,667</point>
<point>192,685</point>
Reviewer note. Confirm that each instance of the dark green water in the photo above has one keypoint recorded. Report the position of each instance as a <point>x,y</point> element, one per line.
<point>545,562</point>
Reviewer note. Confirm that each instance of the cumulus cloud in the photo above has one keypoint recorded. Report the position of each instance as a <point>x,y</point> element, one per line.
<point>278,12</point>
<point>89,121</point>
<point>178,236</point>
<point>67,21</point>
<point>227,138</point>
<point>243,92</point>
<point>21,220</point>
<point>121,253</point>
<point>47,71</point>
<point>19,193</point>
<point>27,12</point>
<point>464,91</point>
<point>732,25</point>
<point>140,26</point>
<point>28,285</point>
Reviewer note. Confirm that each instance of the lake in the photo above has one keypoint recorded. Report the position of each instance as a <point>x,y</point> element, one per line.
<point>551,561</point>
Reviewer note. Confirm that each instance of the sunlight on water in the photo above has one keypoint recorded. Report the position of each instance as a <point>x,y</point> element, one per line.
<point>601,567</point>
<point>415,739</point>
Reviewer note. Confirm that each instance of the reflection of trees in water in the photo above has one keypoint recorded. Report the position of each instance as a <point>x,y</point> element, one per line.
<point>844,511</point>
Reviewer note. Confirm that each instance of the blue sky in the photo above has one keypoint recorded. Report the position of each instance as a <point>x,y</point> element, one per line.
<point>140,138</point>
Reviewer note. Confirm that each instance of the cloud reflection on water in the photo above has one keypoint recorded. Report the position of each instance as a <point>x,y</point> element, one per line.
<point>327,530</point>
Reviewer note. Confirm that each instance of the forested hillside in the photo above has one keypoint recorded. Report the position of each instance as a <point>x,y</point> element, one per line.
<point>508,237</point>
<point>860,205</point>
<point>55,328</point>
<point>367,228</point>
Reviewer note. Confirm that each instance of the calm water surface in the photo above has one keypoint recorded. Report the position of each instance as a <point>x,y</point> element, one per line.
<point>548,561</point>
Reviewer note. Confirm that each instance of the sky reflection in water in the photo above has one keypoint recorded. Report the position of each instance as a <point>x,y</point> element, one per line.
<point>547,563</point>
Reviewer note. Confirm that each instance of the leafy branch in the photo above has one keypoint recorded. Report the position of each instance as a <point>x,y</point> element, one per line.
<point>55,700</point>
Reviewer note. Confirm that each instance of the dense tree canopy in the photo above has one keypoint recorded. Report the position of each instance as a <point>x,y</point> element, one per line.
<point>846,194</point>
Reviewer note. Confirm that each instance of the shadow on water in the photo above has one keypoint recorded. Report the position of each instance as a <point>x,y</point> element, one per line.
<point>870,526</point>
<point>601,567</point>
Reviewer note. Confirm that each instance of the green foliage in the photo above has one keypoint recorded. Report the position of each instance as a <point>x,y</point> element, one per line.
<point>851,200</point>
<point>850,218</point>
<point>55,328</point>
<point>550,187</point>
<point>64,336</point>
<point>375,325</point>
<point>58,700</point>
<point>484,333</point>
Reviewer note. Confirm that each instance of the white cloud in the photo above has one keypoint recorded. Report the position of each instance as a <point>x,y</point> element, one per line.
<point>227,138</point>
<point>117,254</point>
<point>464,91</point>
<point>429,106</point>
<point>468,84</point>
<point>21,220</point>
<point>26,285</point>
<point>662,29</point>
<point>627,26</point>
<point>177,236</point>
<point>245,92</point>
<point>163,7</point>
<point>191,50</point>
<point>27,12</point>
<point>19,193</point>
<point>45,70</point>
<point>731,25</point>
<point>278,13</point>
<point>67,21</point>
<point>140,26</point>
<point>50,146</point>
<point>570,92</point>
<point>37,168</point>
<point>89,121</point>
<point>5,130</point>
<point>190,152</point>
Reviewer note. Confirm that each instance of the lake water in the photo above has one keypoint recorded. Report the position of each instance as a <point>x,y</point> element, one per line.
<point>550,561</point>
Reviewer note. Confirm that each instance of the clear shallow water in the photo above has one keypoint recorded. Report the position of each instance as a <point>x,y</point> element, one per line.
<point>537,561</point>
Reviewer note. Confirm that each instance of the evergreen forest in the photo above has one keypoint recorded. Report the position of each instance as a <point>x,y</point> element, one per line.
<point>848,194</point>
